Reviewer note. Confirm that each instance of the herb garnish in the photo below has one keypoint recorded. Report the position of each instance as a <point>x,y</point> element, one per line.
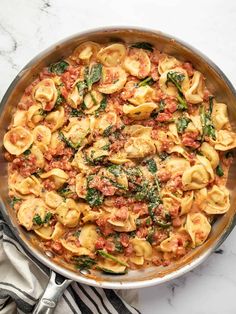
<point>59,67</point>
<point>143,45</point>
<point>182,124</point>
<point>84,262</point>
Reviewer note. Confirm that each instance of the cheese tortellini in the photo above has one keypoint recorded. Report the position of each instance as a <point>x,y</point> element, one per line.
<point>17,140</point>
<point>46,93</point>
<point>198,228</point>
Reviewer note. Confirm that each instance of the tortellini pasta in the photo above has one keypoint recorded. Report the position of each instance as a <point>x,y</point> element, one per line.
<point>211,154</point>
<point>225,140</point>
<point>68,213</point>
<point>137,63</point>
<point>220,116</point>
<point>168,87</point>
<point>30,185</point>
<point>198,228</point>
<point>167,63</point>
<point>52,199</point>
<point>142,249</point>
<point>88,237</point>
<point>198,176</point>
<point>45,92</point>
<point>20,118</point>
<point>113,80</point>
<point>139,112</point>
<point>55,119</point>
<point>34,115</point>
<point>42,134</point>
<point>216,200</point>
<point>112,55</point>
<point>196,91</point>
<point>142,94</point>
<point>85,52</point>
<point>58,176</point>
<point>51,232</point>
<point>17,140</point>
<point>28,210</point>
<point>139,147</point>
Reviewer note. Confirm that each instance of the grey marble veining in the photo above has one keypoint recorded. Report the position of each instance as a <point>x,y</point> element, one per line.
<point>30,26</point>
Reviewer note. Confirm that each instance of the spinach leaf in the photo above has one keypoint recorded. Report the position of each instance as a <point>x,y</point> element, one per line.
<point>182,104</point>
<point>102,107</point>
<point>59,67</point>
<point>151,165</point>
<point>27,152</point>
<point>150,235</point>
<point>94,197</point>
<point>84,262</point>
<point>147,81</point>
<point>93,74</point>
<point>107,132</point>
<point>163,224</point>
<point>116,184</point>
<point>48,217</point>
<point>115,170</point>
<point>143,45</point>
<point>81,86</point>
<point>42,112</point>
<point>118,245</point>
<point>175,78</point>
<point>207,125</point>
<point>76,113</point>
<point>15,200</point>
<point>65,191</point>
<point>106,147</point>
<point>37,220</point>
<point>182,124</point>
<point>111,257</point>
<point>219,171</point>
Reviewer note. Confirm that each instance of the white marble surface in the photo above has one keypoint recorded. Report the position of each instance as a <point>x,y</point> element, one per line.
<point>29,26</point>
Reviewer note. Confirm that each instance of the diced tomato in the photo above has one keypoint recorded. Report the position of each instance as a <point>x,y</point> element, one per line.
<point>57,247</point>
<point>100,243</point>
<point>140,208</point>
<point>25,166</point>
<point>164,175</point>
<point>164,117</point>
<point>122,213</point>
<point>110,246</point>
<point>171,104</point>
<point>177,222</point>
<point>188,67</point>
<point>206,95</point>
<point>124,239</point>
<point>128,250</point>
<point>142,232</point>
<point>49,184</point>
<point>104,226</point>
<point>189,139</point>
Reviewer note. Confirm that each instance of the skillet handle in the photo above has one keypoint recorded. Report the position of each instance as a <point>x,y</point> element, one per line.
<point>55,288</point>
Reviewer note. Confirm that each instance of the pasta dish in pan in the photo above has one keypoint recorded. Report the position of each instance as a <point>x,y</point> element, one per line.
<point>118,158</point>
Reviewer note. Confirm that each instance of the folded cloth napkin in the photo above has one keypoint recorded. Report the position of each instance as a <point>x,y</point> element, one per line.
<point>23,279</point>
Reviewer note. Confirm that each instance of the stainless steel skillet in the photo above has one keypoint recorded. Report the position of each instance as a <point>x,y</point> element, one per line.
<point>218,84</point>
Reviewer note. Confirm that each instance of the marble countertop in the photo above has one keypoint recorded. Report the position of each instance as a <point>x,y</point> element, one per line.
<point>28,27</point>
